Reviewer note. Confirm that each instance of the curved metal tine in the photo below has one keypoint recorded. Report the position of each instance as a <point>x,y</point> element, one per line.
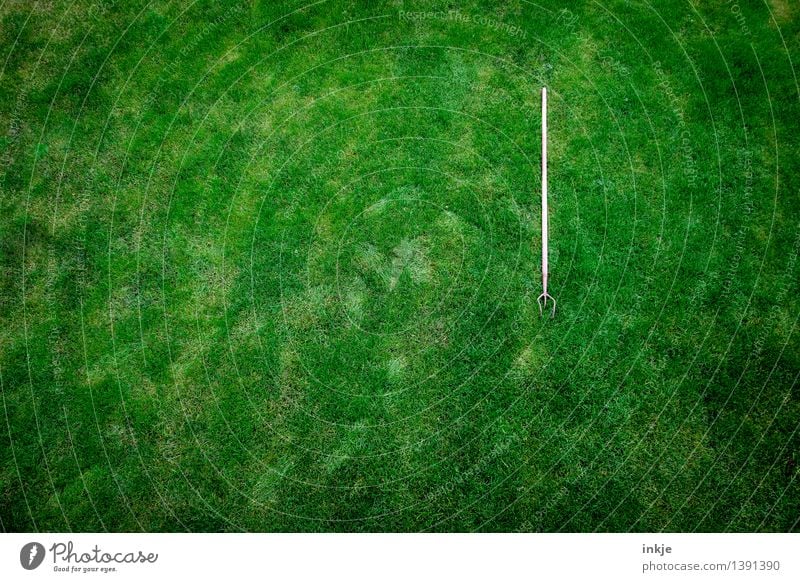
<point>542,302</point>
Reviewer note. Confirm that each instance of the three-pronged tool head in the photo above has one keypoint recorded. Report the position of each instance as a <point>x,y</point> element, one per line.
<point>542,301</point>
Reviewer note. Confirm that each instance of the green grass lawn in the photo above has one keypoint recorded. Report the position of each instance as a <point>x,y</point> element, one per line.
<point>274,265</point>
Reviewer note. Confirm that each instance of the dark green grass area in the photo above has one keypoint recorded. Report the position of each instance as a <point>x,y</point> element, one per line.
<point>274,266</point>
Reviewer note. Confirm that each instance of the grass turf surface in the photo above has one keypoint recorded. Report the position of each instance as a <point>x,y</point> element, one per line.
<point>273,266</point>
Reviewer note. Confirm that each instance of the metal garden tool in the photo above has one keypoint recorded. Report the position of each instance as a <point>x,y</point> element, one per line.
<point>542,299</point>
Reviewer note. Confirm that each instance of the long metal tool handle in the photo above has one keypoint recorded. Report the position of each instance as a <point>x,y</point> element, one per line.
<point>542,299</point>
<point>544,191</point>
